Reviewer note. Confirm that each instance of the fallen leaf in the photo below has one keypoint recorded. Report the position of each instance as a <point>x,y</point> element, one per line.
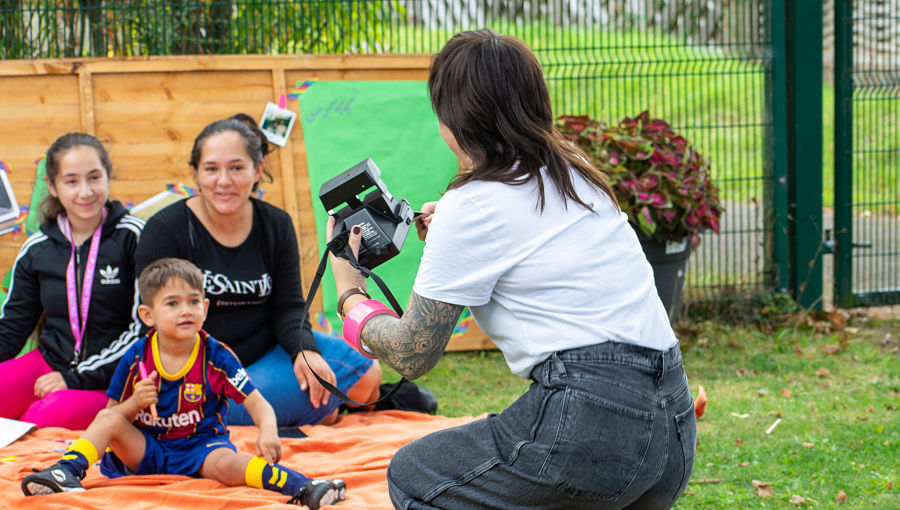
<point>823,372</point>
<point>838,319</point>
<point>830,349</point>
<point>786,393</point>
<point>798,350</point>
<point>708,480</point>
<point>735,345</point>
<point>889,485</point>
<point>841,497</point>
<point>700,402</point>
<point>739,442</point>
<point>798,500</point>
<point>763,489</point>
<point>808,445</point>
<point>745,464</point>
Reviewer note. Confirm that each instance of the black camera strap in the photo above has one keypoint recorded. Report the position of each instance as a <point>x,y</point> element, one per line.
<point>339,247</point>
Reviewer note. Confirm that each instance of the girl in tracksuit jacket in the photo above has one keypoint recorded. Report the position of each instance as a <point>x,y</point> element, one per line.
<point>87,294</point>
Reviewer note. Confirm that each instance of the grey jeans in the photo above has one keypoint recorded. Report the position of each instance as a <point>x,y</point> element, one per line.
<point>601,427</point>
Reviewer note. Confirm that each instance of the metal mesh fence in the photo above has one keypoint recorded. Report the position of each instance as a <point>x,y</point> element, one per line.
<point>702,65</point>
<point>874,218</point>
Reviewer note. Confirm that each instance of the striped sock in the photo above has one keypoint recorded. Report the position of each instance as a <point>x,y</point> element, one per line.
<point>81,456</point>
<point>277,478</point>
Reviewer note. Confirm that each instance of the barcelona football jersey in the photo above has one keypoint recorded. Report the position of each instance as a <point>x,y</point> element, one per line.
<point>193,401</point>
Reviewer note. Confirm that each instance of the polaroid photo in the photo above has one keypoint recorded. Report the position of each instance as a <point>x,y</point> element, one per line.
<point>277,123</point>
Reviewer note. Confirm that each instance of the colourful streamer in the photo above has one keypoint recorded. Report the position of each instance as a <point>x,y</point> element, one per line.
<point>181,189</point>
<point>5,167</point>
<point>21,219</point>
<point>300,87</point>
<point>465,320</point>
<point>326,326</point>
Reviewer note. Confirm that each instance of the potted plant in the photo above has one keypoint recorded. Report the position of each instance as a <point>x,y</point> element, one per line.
<point>661,182</point>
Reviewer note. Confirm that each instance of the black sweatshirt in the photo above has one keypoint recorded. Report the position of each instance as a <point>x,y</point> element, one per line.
<point>254,288</point>
<point>38,284</point>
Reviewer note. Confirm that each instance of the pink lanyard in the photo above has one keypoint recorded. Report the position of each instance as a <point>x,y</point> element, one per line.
<point>78,327</point>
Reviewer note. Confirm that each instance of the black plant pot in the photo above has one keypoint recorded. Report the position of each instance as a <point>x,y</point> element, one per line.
<point>669,262</point>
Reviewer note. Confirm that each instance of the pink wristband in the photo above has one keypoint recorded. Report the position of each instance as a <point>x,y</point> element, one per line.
<point>356,318</point>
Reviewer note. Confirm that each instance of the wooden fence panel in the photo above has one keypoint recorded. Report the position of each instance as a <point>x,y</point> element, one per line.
<point>147,111</point>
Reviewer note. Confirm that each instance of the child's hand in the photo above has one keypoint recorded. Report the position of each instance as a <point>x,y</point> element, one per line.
<point>268,446</point>
<point>145,392</point>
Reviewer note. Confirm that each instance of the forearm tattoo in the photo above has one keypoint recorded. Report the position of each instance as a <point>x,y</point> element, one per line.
<point>413,344</point>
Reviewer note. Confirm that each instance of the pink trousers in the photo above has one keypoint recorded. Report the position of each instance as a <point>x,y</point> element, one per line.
<point>72,409</point>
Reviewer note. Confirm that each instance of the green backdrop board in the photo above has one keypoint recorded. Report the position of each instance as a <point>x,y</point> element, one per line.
<point>38,193</point>
<point>32,225</point>
<point>345,122</point>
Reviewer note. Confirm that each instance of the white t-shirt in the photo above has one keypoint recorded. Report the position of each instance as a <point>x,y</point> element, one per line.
<point>541,282</point>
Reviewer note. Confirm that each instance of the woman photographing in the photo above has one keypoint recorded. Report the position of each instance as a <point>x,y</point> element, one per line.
<point>529,236</point>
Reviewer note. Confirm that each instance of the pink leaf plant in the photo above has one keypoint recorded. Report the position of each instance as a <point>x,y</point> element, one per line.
<point>661,182</point>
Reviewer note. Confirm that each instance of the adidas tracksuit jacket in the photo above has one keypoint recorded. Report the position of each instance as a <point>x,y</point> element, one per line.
<point>38,285</point>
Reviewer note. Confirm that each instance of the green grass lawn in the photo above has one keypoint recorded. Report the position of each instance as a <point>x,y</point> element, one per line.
<point>835,386</point>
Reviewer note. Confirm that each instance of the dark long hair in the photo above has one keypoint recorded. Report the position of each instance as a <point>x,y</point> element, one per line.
<point>489,90</point>
<point>255,142</point>
<point>51,207</point>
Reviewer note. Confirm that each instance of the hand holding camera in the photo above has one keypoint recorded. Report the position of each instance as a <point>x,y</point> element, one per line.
<point>423,218</point>
<point>384,220</point>
<point>346,276</point>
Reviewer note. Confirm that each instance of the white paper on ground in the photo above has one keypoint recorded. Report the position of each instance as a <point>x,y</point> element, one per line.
<point>10,430</point>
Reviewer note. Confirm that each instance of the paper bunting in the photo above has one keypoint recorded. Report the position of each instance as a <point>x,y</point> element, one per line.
<point>282,102</point>
<point>5,167</point>
<point>300,87</point>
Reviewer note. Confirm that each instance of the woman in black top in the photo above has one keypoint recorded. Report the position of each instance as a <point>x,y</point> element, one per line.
<point>248,252</point>
<point>78,271</point>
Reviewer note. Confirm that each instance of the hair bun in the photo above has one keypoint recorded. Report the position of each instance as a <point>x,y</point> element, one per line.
<point>251,123</point>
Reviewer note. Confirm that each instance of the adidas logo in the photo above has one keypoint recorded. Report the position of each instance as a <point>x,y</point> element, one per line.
<point>109,275</point>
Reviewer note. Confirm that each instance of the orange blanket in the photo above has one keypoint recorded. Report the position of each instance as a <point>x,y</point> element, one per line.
<point>356,449</point>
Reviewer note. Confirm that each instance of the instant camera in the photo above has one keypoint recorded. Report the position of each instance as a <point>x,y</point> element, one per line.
<point>384,220</point>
